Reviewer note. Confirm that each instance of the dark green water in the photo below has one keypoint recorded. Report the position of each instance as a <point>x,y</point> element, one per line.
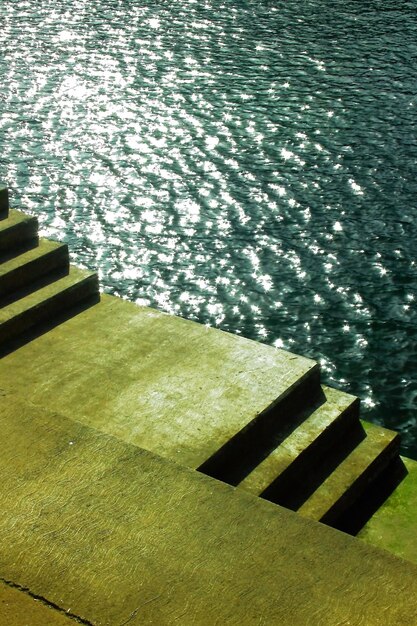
<point>250,165</point>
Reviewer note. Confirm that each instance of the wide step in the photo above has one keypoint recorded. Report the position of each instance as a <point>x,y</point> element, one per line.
<point>342,489</point>
<point>288,468</point>
<point>114,535</point>
<point>47,302</point>
<point>25,269</point>
<point>17,230</point>
<point>248,447</point>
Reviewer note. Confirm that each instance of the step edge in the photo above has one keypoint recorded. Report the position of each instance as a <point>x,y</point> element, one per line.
<point>346,416</point>
<point>35,299</point>
<point>359,481</point>
<point>32,255</point>
<point>223,462</point>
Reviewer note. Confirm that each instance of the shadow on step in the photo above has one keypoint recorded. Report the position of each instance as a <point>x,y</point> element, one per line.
<point>293,487</point>
<point>25,246</point>
<point>249,447</point>
<point>41,329</point>
<point>373,498</point>
<point>34,285</point>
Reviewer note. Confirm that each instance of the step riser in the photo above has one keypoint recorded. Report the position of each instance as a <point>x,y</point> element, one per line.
<point>4,203</point>
<point>250,446</point>
<point>345,506</point>
<point>22,277</point>
<point>48,309</point>
<point>19,235</point>
<point>357,515</point>
<point>297,482</point>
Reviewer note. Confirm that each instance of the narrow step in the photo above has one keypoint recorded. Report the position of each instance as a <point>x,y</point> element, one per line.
<point>17,230</point>
<point>340,491</point>
<point>4,202</point>
<point>248,447</point>
<point>287,467</point>
<point>47,302</point>
<point>22,271</point>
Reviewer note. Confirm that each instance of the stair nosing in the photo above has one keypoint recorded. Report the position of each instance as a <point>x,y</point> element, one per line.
<point>45,248</point>
<point>384,452</point>
<point>302,440</point>
<point>37,298</point>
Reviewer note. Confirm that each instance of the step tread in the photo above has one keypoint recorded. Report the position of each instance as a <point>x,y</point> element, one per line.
<point>337,402</point>
<point>37,298</point>
<point>14,218</point>
<point>180,389</point>
<point>45,247</point>
<point>378,443</point>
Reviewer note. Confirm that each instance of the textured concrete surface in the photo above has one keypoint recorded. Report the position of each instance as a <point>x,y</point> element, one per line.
<point>18,608</point>
<point>166,384</point>
<point>17,228</point>
<point>394,526</point>
<point>121,536</point>
<point>352,475</point>
<point>27,267</point>
<point>337,407</point>
<point>44,303</point>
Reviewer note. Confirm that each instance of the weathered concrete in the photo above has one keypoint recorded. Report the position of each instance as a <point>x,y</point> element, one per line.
<point>316,433</point>
<point>119,535</point>
<point>353,475</point>
<point>394,526</point>
<point>161,382</point>
<point>26,268</point>
<point>17,229</point>
<point>18,608</point>
<point>46,302</point>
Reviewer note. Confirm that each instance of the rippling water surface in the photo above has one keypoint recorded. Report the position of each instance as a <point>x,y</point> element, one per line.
<point>248,164</point>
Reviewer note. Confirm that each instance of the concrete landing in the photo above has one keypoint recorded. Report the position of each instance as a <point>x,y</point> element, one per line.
<point>118,536</point>
<point>161,382</point>
<point>394,526</point>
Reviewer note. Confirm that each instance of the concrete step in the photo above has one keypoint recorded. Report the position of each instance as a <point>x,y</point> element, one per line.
<point>112,535</point>
<point>174,387</point>
<point>4,202</point>
<point>46,303</point>
<point>16,231</point>
<point>24,270</point>
<point>288,468</point>
<point>248,447</point>
<point>338,494</point>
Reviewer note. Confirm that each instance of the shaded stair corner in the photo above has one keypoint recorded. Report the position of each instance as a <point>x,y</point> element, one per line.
<point>38,287</point>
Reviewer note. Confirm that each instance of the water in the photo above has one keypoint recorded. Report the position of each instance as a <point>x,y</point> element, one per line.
<point>247,164</point>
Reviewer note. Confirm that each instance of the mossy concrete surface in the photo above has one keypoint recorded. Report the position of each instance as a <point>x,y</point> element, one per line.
<point>18,608</point>
<point>394,526</point>
<point>117,535</point>
<point>161,382</point>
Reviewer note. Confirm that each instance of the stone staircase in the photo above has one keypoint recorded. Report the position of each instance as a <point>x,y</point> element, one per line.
<point>305,448</point>
<point>325,463</point>
<point>37,283</point>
